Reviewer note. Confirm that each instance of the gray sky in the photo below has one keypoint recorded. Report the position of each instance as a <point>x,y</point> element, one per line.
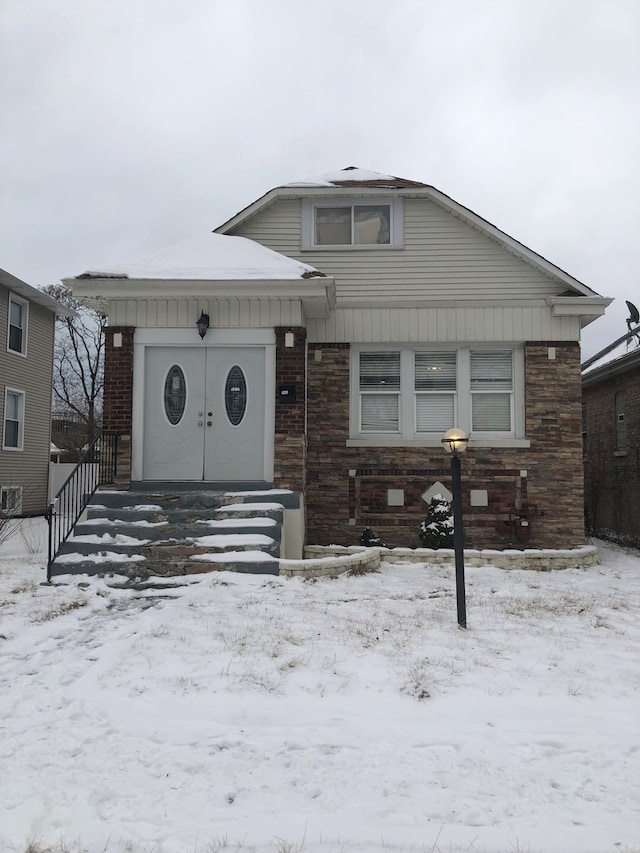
<point>127,125</point>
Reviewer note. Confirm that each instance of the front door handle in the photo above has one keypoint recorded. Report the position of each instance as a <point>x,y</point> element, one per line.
<point>209,423</point>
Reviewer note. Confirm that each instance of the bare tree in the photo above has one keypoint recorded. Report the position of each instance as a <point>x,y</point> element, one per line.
<point>78,373</point>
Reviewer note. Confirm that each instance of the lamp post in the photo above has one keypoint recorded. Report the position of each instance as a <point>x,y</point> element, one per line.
<point>455,442</point>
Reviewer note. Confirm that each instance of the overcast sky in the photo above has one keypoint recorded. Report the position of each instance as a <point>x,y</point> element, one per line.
<point>127,125</point>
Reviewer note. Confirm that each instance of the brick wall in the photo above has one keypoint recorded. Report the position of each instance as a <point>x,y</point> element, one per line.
<point>290,440</point>
<point>118,394</point>
<point>612,473</point>
<point>351,483</point>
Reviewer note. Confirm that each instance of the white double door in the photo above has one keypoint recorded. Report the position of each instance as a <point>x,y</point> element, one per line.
<point>204,413</point>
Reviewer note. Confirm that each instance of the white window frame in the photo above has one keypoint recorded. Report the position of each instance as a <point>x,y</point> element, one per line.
<point>16,503</point>
<point>21,410</point>
<point>396,226</point>
<point>25,324</point>
<point>407,433</point>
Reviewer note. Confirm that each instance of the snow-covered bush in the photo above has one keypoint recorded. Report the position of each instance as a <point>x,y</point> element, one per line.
<point>436,531</point>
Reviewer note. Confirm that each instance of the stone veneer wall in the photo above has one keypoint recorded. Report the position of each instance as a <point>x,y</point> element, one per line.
<point>290,440</point>
<point>118,384</point>
<point>347,486</point>
<point>612,473</point>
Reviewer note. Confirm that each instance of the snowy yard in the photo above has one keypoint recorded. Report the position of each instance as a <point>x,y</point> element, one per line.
<point>252,713</point>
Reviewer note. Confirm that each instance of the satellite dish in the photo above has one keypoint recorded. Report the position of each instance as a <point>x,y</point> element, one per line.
<point>633,312</point>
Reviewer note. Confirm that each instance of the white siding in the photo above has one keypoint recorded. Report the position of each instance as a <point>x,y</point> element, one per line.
<point>491,324</point>
<point>183,313</point>
<point>443,259</point>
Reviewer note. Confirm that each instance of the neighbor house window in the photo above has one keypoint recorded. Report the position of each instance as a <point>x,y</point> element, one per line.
<point>366,223</point>
<point>412,392</point>
<point>13,420</point>
<point>11,500</point>
<point>17,332</point>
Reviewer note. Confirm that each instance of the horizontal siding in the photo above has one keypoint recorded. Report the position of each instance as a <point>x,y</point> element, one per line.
<point>183,313</point>
<point>29,468</point>
<point>445,325</point>
<point>443,258</point>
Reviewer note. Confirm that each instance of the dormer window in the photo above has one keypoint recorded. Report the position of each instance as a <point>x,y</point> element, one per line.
<point>352,224</point>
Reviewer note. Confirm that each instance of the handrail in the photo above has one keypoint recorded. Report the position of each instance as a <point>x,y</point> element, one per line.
<point>97,467</point>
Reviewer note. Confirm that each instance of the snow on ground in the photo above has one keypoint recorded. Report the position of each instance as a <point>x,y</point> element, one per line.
<point>252,713</point>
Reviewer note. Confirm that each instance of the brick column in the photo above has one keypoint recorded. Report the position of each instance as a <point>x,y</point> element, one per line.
<point>118,391</point>
<point>290,436</point>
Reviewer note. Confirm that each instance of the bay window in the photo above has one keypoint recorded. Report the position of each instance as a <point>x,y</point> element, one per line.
<point>419,392</point>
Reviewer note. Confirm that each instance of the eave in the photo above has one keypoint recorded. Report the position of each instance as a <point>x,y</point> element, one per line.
<point>317,294</point>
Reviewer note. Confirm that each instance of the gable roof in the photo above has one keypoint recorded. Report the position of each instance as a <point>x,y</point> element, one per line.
<point>354,180</point>
<point>32,294</point>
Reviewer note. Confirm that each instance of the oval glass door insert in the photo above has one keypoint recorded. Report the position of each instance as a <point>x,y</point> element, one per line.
<point>235,395</point>
<point>175,394</point>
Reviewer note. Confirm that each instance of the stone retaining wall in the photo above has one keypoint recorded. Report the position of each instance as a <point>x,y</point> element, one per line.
<point>544,560</point>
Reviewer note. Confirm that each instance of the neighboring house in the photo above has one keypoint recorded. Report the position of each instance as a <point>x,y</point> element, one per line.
<point>389,314</point>
<point>611,430</point>
<point>27,327</point>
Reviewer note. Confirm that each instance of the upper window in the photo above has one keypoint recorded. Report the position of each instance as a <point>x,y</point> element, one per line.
<point>13,430</point>
<point>17,332</point>
<point>364,224</point>
<point>409,393</point>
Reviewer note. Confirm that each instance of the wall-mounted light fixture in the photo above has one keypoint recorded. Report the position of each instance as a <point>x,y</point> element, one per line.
<point>203,324</point>
<point>455,442</point>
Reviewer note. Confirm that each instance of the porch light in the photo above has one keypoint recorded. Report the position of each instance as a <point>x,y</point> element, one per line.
<point>455,442</point>
<point>202,324</point>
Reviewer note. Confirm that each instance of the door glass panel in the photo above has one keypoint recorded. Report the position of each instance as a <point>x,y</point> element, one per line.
<point>235,395</point>
<point>175,394</point>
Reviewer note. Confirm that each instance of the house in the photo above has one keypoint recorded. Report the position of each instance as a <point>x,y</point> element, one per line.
<point>27,327</point>
<point>324,338</point>
<point>611,433</point>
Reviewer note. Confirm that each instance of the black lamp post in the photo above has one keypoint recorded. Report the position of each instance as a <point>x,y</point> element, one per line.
<point>455,442</point>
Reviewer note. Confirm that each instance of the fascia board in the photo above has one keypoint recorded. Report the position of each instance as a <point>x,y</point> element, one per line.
<point>578,306</point>
<point>126,288</point>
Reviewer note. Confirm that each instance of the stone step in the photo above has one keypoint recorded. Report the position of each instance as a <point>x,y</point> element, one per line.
<point>193,499</point>
<point>184,529</point>
<point>178,531</point>
<point>168,548</point>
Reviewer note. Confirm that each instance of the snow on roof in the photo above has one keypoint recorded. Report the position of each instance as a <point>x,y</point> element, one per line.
<point>355,175</point>
<point>211,257</point>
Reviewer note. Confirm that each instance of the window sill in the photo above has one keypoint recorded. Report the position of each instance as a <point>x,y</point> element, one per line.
<point>364,247</point>
<point>383,441</point>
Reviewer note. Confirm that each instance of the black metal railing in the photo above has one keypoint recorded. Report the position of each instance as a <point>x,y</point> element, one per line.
<point>97,467</point>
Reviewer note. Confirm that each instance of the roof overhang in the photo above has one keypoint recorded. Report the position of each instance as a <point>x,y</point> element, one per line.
<point>317,294</point>
<point>587,308</point>
<point>622,364</point>
<point>32,294</point>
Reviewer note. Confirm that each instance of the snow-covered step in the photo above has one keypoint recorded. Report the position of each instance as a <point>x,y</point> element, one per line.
<point>142,533</point>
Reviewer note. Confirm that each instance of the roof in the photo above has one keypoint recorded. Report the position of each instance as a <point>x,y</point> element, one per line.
<point>354,176</point>
<point>32,294</point>
<point>364,182</point>
<point>212,257</point>
<point>604,372</point>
